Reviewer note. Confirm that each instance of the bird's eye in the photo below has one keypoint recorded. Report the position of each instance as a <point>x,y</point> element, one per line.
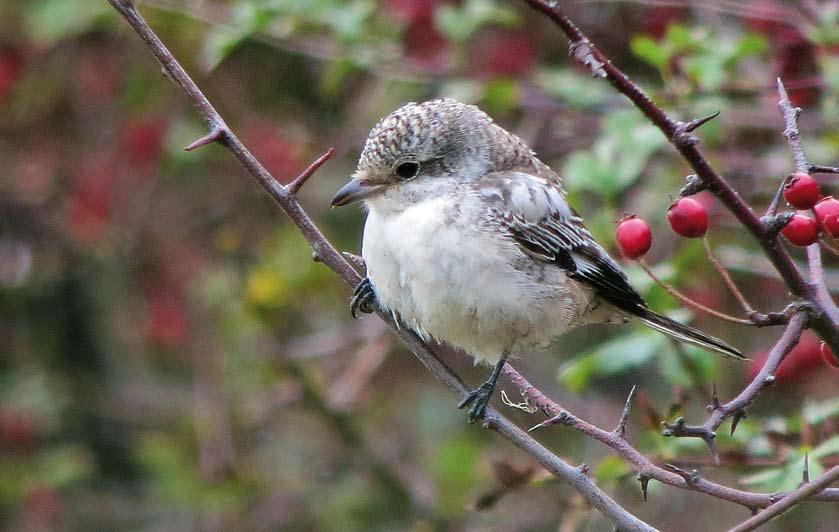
<point>407,169</point>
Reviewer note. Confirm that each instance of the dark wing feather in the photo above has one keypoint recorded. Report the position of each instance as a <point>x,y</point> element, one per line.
<point>534,212</point>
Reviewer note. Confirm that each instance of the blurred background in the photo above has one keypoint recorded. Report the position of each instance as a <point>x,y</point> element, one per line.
<point>172,359</point>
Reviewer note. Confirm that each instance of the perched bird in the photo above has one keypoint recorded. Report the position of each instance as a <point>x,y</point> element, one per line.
<point>469,241</point>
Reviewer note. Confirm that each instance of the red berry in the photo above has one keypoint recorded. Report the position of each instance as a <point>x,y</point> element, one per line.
<point>827,214</point>
<point>634,237</point>
<point>801,230</point>
<point>688,217</point>
<point>827,356</point>
<point>802,191</point>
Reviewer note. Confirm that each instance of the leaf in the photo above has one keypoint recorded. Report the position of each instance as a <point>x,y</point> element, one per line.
<point>52,20</point>
<point>576,90</point>
<point>610,358</point>
<point>650,51</point>
<point>815,413</point>
<point>827,448</point>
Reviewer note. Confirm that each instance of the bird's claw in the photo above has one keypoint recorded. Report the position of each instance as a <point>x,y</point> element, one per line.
<point>363,299</point>
<point>479,399</point>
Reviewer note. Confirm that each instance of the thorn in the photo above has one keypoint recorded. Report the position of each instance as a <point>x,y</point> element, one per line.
<point>693,185</point>
<point>805,475</point>
<point>620,429</point>
<point>300,180</point>
<point>735,420</point>
<point>215,135</point>
<point>673,429</point>
<point>557,419</point>
<point>644,480</point>
<point>694,124</point>
<point>769,380</point>
<point>691,477</point>
<point>316,257</point>
<point>774,224</point>
<point>715,401</point>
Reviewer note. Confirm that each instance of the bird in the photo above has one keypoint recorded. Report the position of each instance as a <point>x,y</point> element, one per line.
<point>469,241</point>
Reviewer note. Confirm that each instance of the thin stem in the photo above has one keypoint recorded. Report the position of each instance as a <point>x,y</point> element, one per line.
<point>726,277</point>
<point>688,301</point>
<point>790,500</point>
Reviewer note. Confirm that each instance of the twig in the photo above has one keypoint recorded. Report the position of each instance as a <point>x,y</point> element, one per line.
<point>729,282</point>
<point>826,325</point>
<point>299,181</point>
<point>327,254</point>
<point>738,405</point>
<point>790,500</point>
<point>688,301</point>
<point>647,470</point>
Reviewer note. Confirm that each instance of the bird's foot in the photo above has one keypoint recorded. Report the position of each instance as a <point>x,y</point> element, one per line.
<point>479,399</point>
<point>480,396</point>
<point>363,299</point>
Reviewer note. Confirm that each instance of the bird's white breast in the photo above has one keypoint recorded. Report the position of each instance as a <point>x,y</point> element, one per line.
<point>438,268</point>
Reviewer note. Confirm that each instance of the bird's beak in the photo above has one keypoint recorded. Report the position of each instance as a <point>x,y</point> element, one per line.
<point>354,191</point>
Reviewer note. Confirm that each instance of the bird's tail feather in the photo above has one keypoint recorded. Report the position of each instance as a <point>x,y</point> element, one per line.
<point>689,335</point>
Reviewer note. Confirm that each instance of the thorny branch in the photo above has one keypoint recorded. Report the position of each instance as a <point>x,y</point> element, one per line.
<point>807,489</point>
<point>679,134</point>
<point>822,313</point>
<point>327,254</point>
<point>647,470</point>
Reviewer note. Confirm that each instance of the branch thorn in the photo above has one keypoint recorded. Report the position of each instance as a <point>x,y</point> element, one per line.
<point>559,418</point>
<point>691,477</point>
<point>644,480</point>
<point>774,224</point>
<point>805,475</point>
<point>735,419</point>
<point>694,124</point>
<point>620,429</point>
<point>693,185</point>
<point>304,176</point>
<point>216,134</point>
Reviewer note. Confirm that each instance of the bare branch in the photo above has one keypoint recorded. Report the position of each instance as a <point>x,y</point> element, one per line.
<point>814,257</point>
<point>647,470</point>
<point>790,500</point>
<point>825,324</point>
<point>284,197</point>
<point>295,186</point>
<point>736,407</point>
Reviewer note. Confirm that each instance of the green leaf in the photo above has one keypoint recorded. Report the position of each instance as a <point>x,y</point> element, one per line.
<point>815,413</point>
<point>646,49</point>
<point>611,358</point>
<point>827,448</point>
<point>52,20</point>
<point>458,24</point>
<point>576,90</point>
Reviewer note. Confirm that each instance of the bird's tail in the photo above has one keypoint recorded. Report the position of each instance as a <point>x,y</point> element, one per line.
<point>689,335</point>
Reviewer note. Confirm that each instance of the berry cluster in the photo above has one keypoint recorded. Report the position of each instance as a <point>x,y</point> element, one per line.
<point>688,218</point>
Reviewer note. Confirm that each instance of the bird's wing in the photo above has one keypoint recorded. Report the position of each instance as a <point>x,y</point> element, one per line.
<point>535,215</point>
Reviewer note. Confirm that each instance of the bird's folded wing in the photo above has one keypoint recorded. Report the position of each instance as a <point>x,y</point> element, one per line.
<point>534,213</point>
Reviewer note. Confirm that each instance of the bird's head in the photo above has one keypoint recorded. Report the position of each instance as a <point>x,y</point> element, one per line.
<point>420,151</point>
